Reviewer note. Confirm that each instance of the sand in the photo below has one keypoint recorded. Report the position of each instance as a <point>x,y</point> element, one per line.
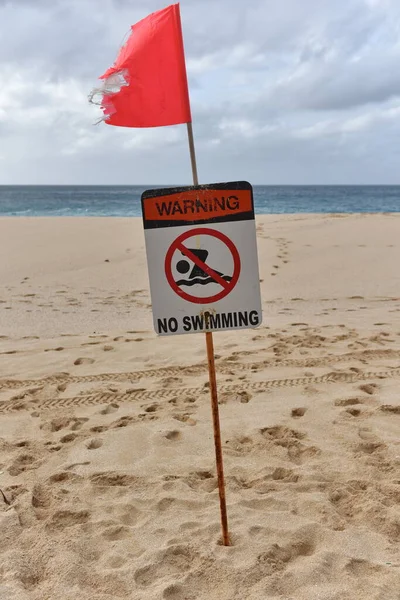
<point>107,460</point>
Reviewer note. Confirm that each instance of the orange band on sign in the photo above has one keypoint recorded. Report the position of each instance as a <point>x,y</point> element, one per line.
<point>195,205</point>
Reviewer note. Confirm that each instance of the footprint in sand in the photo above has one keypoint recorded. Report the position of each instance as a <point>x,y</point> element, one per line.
<point>290,439</point>
<point>70,437</point>
<point>111,408</point>
<point>173,562</point>
<point>116,561</point>
<point>389,408</point>
<point>116,532</point>
<point>65,477</point>
<point>127,514</point>
<point>348,401</point>
<point>67,518</point>
<point>151,409</point>
<point>176,591</point>
<point>281,434</point>
<point>359,567</point>
<point>370,442</point>
<point>278,557</point>
<point>23,462</point>
<point>77,423</point>
<point>122,422</point>
<point>112,479</point>
<point>41,496</point>
<point>283,474</point>
<point>173,435</point>
<point>354,412</point>
<point>185,418</point>
<point>23,444</point>
<point>298,412</point>
<point>56,424</point>
<point>94,444</point>
<point>204,481</point>
<point>242,396</point>
<point>84,361</point>
<point>99,428</point>
<point>58,349</point>
<point>369,388</point>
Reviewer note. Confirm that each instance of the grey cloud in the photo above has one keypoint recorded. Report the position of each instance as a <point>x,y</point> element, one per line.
<point>70,35</point>
<point>281,92</point>
<point>353,62</point>
<point>354,87</point>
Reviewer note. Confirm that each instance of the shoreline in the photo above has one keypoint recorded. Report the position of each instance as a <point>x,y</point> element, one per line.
<point>259,215</point>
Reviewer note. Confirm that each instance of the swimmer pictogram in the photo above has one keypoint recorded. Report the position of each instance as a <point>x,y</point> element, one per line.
<point>197,274</point>
<point>193,264</point>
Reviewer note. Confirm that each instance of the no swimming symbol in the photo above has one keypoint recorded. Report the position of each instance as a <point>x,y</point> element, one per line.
<point>200,272</point>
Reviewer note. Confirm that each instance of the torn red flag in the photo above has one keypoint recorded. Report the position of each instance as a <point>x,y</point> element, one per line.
<point>147,85</point>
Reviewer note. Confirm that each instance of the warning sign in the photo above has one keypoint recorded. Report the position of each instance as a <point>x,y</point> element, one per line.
<point>202,258</point>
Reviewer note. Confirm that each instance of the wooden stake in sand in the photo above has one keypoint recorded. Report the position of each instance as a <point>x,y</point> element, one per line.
<point>212,380</point>
<point>203,270</point>
<point>217,434</point>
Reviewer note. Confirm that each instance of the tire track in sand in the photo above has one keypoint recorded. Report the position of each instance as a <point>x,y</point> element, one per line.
<point>198,369</point>
<point>169,393</point>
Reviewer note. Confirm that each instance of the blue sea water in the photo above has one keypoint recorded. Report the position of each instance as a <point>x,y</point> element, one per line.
<point>124,201</point>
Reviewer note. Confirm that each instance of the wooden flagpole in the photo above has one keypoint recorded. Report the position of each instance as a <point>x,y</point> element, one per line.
<point>213,382</point>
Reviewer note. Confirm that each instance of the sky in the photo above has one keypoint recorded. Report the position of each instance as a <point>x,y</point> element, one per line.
<point>282,92</point>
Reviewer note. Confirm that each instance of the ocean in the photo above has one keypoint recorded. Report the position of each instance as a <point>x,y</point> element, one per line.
<point>124,201</point>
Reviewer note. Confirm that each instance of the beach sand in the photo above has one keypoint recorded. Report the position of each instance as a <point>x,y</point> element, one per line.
<point>107,459</point>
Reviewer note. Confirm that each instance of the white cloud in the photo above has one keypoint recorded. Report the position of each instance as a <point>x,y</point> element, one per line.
<point>281,92</point>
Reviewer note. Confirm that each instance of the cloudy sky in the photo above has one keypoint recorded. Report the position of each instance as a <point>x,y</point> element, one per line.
<point>288,91</point>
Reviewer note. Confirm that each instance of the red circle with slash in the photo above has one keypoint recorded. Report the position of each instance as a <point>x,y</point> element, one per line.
<point>177,245</point>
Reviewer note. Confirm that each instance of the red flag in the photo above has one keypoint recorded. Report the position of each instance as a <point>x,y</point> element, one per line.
<point>147,85</point>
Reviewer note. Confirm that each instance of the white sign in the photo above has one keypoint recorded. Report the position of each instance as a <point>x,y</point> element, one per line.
<point>202,258</point>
